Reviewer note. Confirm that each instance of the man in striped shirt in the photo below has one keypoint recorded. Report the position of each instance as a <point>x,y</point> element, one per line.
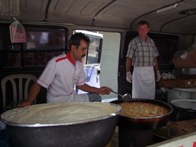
<point>142,56</point>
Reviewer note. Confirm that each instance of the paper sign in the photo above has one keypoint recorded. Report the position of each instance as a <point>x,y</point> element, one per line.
<point>17,32</point>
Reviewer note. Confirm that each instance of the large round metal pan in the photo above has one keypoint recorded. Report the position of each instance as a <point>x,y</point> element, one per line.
<point>87,133</point>
<point>145,123</point>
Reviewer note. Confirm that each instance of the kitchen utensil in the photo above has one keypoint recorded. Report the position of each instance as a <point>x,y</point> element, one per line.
<point>126,97</point>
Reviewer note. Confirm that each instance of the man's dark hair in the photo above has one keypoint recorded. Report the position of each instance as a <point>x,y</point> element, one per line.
<point>143,22</point>
<point>76,38</point>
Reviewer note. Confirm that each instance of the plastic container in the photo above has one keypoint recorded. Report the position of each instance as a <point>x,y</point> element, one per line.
<point>193,95</point>
<point>185,109</point>
<point>180,93</point>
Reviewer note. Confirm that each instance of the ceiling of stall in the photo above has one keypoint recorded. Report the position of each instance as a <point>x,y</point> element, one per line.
<point>123,14</point>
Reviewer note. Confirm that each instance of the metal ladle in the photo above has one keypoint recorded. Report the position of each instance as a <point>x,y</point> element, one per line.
<point>126,97</point>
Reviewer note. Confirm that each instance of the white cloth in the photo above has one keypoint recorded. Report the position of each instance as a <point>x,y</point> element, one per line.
<point>143,80</point>
<point>184,55</point>
<point>71,98</point>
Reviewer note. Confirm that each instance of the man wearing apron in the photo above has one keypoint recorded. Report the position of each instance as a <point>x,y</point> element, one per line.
<point>64,73</point>
<point>142,54</point>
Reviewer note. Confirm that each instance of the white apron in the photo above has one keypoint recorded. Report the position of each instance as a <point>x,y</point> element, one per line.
<point>71,98</point>
<point>143,83</point>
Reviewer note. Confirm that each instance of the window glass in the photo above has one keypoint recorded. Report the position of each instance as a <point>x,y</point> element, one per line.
<point>43,43</point>
<point>45,40</point>
<point>94,50</point>
<point>13,47</point>
<point>39,58</point>
<point>95,46</point>
<point>12,60</point>
<point>5,41</point>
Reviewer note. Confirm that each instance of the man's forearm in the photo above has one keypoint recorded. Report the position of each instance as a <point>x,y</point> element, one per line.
<point>156,65</point>
<point>34,90</point>
<point>128,64</point>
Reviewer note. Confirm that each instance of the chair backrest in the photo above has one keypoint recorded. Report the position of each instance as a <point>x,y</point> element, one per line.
<point>20,84</point>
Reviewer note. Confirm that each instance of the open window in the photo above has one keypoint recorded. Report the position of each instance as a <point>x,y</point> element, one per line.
<point>95,46</point>
<point>92,59</point>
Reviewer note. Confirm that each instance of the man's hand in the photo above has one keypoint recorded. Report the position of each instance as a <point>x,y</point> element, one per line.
<point>158,75</point>
<point>104,90</point>
<point>129,77</point>
<point>25,103</point>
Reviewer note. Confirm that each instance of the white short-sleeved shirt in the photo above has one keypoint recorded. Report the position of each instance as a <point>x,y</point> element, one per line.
<point>60,76</point>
